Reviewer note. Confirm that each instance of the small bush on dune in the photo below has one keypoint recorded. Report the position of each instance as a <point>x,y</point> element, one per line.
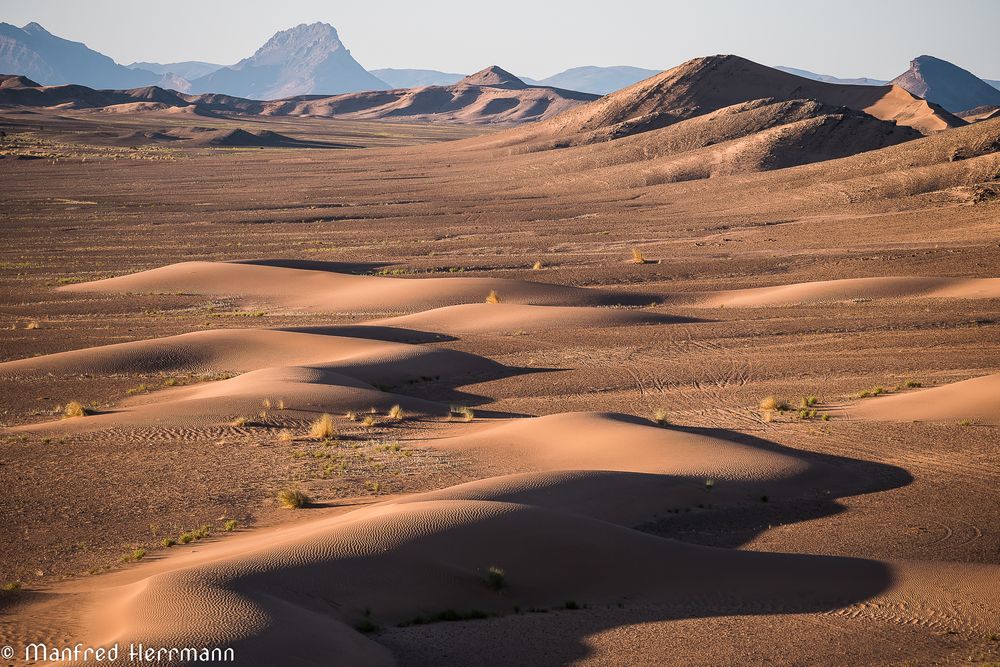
<point>323,428</point>
<point>293,498</point>
<point>396,413</point>
<point>910,384</point>
<point>637,256</point>
<point>229,526</point>
<point>461,412</point>
<point>239,422</point>
<point>874,391</point>
<point>369,420</point>
<point>134,555</point>
<point>773,404</point>
<point>660,417</point>
<point>351,415</point>
<point>76,409</point>
<point>167,542</point>
<point>493,297</point>
<point>537,266</point>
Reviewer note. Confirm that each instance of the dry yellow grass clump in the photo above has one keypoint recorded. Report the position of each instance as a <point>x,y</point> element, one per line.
<point>769,403</point>
<point>293,498</point>
<point>660,417</point>
<point>76,409</point>
<point>493,297</point>
<point>323,428</point>
<point>637,257</point>
<point>537,266</point>
<point>396,413</point>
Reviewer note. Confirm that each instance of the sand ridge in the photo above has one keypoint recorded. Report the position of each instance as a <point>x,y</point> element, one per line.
<point>326,291</point>
<point>976,400</point>
<point>849,289</point>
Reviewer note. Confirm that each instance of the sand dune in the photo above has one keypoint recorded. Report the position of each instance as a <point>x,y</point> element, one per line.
<point>306,393</point>
<point>416,559</point>
<point>242,350</point>
<point>289,593</point>
<point>325,291</point>
<point>505,317</point>
<point>976,400</point>
<point>310,372</point>
<point>903,287</point>
<point>599,441</point>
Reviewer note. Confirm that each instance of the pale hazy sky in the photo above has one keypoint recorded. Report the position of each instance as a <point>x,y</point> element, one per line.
<point>847,38</point>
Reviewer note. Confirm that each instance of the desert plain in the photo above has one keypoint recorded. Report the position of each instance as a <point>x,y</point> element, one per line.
<point>719,391</point>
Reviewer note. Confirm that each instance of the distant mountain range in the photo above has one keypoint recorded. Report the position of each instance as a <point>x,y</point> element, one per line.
<point>492,95</point>
<point>36,53</point>
<point>599,80</point>
<point>416,78</point>
<point>312,60</point>
<point>589,79</point>
<point>189,69</point>
<point>860,81</point>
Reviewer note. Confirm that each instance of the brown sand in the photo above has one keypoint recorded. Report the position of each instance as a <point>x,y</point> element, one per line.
<point>870,532</point>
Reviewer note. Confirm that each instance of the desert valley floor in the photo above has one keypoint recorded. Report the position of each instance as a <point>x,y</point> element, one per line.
<point>208,304</point>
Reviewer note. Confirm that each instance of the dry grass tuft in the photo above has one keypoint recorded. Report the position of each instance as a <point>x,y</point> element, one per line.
<point>352,415</point>
<point>396,413</point>
<point>537,266</point>
<point>637,256</point>
<point>369,420</point>
<point>493,297</point>
<point>33,324</point>
<point>660,417</point>
<point>323,428</point>
<point>134,555</point>
<point>285,436</point>
<point>76,409</point>
<point>239,422</point>
<point>769,403</point>
<point>461,412</point>
<point>293,499</point>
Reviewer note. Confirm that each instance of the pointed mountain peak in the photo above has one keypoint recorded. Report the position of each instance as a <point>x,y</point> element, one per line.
<point>947,84</point>
<point>494,76</point>
<point>306,40</point>
<point>35,28</point>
